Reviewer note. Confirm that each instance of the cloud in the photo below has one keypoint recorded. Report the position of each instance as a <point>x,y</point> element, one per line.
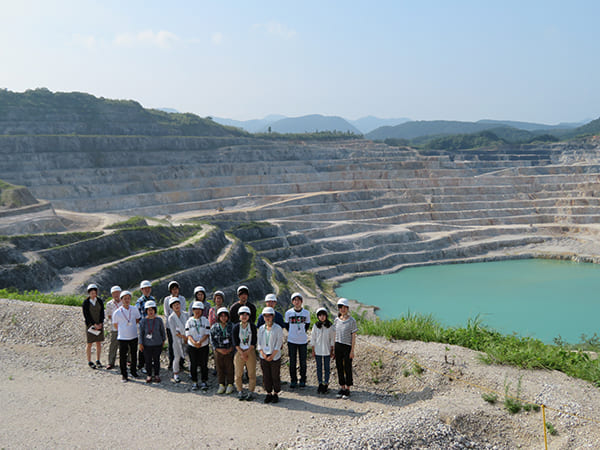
<point>161,39</point>
<point>216,38</point>
<point>276,29</point>
<point>87,41</point>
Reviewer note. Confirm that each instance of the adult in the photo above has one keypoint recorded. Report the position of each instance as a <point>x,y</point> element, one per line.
<point>111,307</point>
<point>219,301</point>
<point>152,337</point>
<point>197,330</point>
<point>243,295</point>
<point>297,321</point>
<point>199,296</point>
<point>125,320</point>
<point>270,302</point>
<point>269,343</point>
<point>221,337</point>
<point>345,339</point>
<point>146,288</point>
<point>93,313</point>
<point>174,293</point>
<point>176,322</point>
<point>244,339</point>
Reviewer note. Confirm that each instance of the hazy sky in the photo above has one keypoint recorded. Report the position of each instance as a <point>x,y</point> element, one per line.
<point>457,60</point>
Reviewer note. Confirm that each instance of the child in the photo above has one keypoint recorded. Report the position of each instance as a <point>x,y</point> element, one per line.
<point>176,322</point>
<point>125,320</point>
<point>221,337</point>
<point>323,340</point>
<point>197,330</point>
<point>111,307</point>
<point>152,337</point>
<point>345,339</point>
<point>297,321</point>
<point>269,342</point>
<point>244,339</point>
<point>93,313</point>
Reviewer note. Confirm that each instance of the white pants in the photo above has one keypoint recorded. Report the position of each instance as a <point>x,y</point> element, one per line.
<point>178,353</point>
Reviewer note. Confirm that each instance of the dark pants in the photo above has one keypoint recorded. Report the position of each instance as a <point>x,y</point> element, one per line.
<point>128,347</point>
<point>343,363</point>
<point>323,363</point>
<point>199,357</point>
<point>171,354</point>
<point>152,359</point>
<point>301,349</point>
<point>224,365</point>
<point>141,359</point>
<point>271,375</point>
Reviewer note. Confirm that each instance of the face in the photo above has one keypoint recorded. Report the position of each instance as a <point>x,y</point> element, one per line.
<point>175,291</point>
<point>243,297</point>
<point>126,299</point>
<point>116,295</point>
<point>268,318</point>
<point>93,293</point>
<point>176,307</point>
<point>297,302</point>
<point>200,296</point>
<point>343,309</point>
<point>218,300</point>
<point>146,291</point>
<point>197,312</point>
<point>244,317</point>
<point>271,303</point>
<point>223,318</point>
<point>322,317</point>
<point>151,312</point>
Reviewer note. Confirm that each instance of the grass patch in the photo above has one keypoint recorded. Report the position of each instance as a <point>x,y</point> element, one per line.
<point>490,397</point>
<point>551,429</point>
<point>38,297</point>
<point>132,222</point>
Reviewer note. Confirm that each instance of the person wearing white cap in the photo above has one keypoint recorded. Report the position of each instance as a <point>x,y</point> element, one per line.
<point>243,295</point>
<point>197,330</point>
<point>111,307</point>
<point>219,301</point>
<point>322,339</point>
<point>244,339</point>
<point>93,313</point>
<point>297,321</point>
<point>271,301</point>
<point>269,342</point>
<point>174,293</point>
<point>125,320</point>
<point>146,288</point>
<point>221,338</point>
<point>151,338</point>
<point>176,322</point>
<point>199,296</point>
<point>345,339</point>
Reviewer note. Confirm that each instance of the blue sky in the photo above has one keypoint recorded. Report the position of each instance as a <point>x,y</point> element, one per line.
<point>456,60</point>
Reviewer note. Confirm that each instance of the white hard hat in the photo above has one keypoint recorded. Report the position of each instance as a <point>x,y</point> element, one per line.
<point>243,309</point>
<point>91,286</point>
<point>296,294</point>
<point>270,298</point>
<point>322,310</point>
<point>174,300</point>
<point>150,304</point>
<point>172,284</point>
<point>199,289</point>
<point>115,289</point>
<point>197,305</point>
<point>145,284</point>
<point>343,302</point>
<point>268,310</point>
<point>242,288</point>
<point>222,310</point>
<point>221,293</point>
<point>124,293</point>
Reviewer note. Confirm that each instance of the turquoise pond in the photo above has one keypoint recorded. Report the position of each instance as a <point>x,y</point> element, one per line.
<point>537,298</point>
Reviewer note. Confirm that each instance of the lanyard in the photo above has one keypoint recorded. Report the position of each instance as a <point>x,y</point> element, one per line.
<point>153,322</point>
<point>223,330</point>
<point>129,315</point>
<point>268,335</point>
<point>245,334</point>
<point>197,323</point>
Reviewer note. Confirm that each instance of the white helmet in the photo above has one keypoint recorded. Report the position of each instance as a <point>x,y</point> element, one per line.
<point>150,304</point>
<point>222,310</point>
<point>92,286</point>
<point>343,302</point>
<point>221,293</point>
<point>115,289</point>
<point>199,289</point>
<point>296,294</point>
<point>145,284</point>
<point>197,305</point>
<point>174,300</point>
<point>322,310</point>
<point>270,298</point>
<point>268,310</point>
<point>243,309</point>
<point>172,284</point>
<point>243,288</point>
<point>124,293</point>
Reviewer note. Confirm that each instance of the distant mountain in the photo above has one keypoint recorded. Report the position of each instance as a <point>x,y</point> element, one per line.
<point>529,126</point>
<point>370,123</point>
<point>41,111</point>
<point>312,123</point>
<point>592,127</point>
<point>168,110</point>
<point>253,125</point>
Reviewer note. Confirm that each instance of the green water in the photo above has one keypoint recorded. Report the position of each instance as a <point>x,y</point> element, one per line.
<point>538,298</point>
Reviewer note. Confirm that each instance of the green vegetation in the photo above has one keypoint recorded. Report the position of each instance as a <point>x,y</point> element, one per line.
<point>316,136</point>
<point>553,431</point>
<point>38,297</point>
<point>34,242</point>
<point>12,196</point>
<point>132,222</point>
<point>490,397</point>
<point>512,404</point>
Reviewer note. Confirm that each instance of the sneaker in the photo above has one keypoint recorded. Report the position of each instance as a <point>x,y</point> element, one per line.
<point>92,365</point>
<point>302,384</point>
<point>346,394</point>
<point>325,388</point>
<point>269,398</point>
<point>249,397</point>
<point>148,379</point>
<point>157,379</point>
<point>320,389</point>
<point>340,393</point>
<point>144,370</point>
<point>293,385</point>
<point>176,378</point>
<point>221,389</point>
<point>204,386</point>
<point>99,365</point>
<point>230,389</point>
<point>275,398</point>
<point>109,367</point>
<point>241,396</point>
<point>195,387</point>
<point>124,380</point>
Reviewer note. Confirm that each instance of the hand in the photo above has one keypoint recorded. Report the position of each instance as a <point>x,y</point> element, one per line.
<point>98,326</point>
<point>332,355</point>
<point>351,354</point>
<point>141,347</point>
<point>245,355</point>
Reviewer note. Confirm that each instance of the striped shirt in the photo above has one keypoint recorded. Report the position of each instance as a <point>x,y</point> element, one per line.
<point>344,330</point>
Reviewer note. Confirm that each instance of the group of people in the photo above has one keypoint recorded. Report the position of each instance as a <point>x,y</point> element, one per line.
<point>239,341</point>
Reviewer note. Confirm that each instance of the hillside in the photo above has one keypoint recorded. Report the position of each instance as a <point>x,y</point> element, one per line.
<point>311,123</point>
<point>41,111</point>
<point>590,128</point>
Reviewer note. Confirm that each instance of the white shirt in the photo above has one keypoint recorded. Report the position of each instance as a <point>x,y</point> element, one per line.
<point>197,329</point>
<point>177,324</point>
<point>297,321</point>
<point>167,307</point>
<point>270,341</point>
<point>111,307</point>
<point>322,339</point>
<point>125,319</point>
